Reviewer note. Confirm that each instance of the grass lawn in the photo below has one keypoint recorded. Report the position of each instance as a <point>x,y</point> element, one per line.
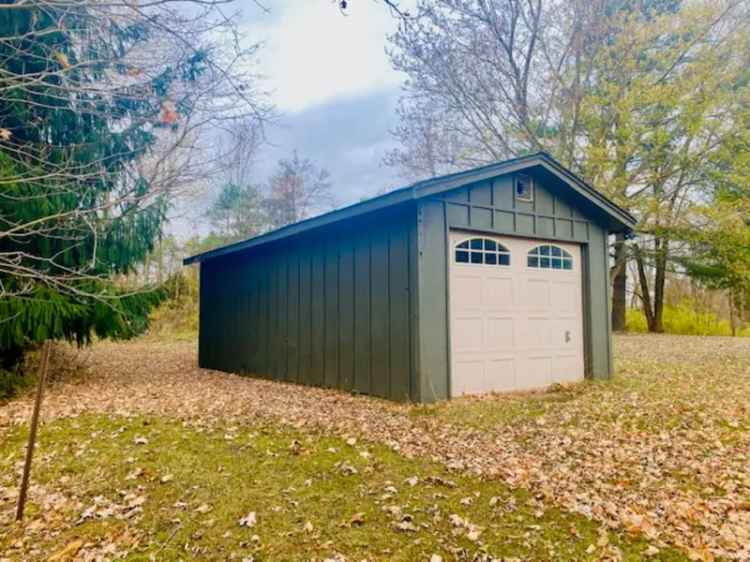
<point>144,456</point>
<point>144,486</point>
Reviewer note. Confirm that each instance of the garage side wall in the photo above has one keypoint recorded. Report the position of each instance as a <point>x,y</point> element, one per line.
<point>490,207</point>
<point>330,308</point>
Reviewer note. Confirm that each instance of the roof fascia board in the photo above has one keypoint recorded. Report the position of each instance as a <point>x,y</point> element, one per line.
<point>592,195</point>
<point>387,200</point>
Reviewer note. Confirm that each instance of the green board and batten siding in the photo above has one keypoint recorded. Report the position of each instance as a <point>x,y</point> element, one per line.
<point>326,308</point>
<point>490,206</point>
<point>357,299</point>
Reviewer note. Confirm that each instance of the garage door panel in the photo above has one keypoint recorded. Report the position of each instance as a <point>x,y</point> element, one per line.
<point>515,327</point>
<point>563,297</point>
<point>500,374</point>
<point>535,334</point>
<point>568,333</point>
<point>497,292</point>
<point>467,334</point>
<point>499,333</point>
<point>560,332</point>
<point>467,290</point>
<point>535,372</point>
<point>566,369</point>
<point>469,377</point>
<point>537,295</point>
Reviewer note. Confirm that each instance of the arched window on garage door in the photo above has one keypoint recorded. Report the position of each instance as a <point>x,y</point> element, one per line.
<point>548,256</point>
<point>482,251</point>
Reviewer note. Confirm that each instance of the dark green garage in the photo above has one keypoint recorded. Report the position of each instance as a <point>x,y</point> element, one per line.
<point>492,279</point>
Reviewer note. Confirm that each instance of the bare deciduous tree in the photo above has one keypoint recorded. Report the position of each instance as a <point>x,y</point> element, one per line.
<point>493,79</point>
<point>636,95</point>
<point>297,190</point>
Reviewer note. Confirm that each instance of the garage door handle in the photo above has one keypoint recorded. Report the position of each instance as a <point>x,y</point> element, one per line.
<point>567,336</point>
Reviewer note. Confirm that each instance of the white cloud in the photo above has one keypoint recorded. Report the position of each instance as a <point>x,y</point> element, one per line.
<point>313,54</point>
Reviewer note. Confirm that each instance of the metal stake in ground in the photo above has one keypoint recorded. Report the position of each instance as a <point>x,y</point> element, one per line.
<point>32,431</point>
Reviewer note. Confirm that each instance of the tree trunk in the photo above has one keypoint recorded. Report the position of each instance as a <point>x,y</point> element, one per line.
<point>648,311</point>
<point>160,263</point>
<point>653,310</point>
<point>661,248</point>
<point>619,285</point>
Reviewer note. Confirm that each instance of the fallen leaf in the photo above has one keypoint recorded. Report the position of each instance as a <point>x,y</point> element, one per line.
<point>347,469</point>
<point>249,520</point>
<point>406,526</point>
<point>357,519</point>
<point>67,553</point>
<point>133,474</point>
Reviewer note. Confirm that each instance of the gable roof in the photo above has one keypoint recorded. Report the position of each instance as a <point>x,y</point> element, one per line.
<point>616,218</point>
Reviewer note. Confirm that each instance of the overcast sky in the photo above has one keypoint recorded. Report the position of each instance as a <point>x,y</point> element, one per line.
<point>332,83</point>
<point>333,88</point>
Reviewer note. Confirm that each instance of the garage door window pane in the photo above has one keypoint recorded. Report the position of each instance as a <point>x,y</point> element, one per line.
<point>482,251</point>
<point>548,256</point>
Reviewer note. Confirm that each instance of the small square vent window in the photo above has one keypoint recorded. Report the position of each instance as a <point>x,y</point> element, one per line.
<point>524,188</point>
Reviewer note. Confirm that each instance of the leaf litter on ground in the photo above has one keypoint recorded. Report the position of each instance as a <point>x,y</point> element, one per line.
<point>660,453</point>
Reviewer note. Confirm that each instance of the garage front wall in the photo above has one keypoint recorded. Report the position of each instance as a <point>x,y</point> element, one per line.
<point>490,207</point>
<point>332,307</point>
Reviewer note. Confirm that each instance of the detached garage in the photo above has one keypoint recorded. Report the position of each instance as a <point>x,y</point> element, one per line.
<point>493,279</point>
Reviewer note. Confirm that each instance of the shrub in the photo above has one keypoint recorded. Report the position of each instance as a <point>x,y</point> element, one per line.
<point>684,318</point>
<point>635,321</point>
<point>11,382</point>
<point>177,317</point>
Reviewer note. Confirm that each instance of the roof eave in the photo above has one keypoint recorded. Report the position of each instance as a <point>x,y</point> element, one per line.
<point>389,199</point>
<point>620,219</point>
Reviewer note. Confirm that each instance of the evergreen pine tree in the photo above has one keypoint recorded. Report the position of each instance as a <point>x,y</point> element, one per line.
<point>79,120</point>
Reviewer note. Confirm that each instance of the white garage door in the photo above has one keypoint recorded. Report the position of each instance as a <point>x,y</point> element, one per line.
<point>516,313</point>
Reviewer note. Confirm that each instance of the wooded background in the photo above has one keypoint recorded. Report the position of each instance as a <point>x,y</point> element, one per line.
<point>111,115</point>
